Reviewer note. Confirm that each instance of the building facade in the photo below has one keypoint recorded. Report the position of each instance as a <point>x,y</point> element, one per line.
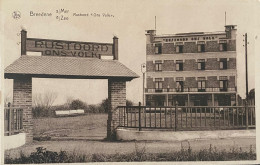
<point>192,69</point>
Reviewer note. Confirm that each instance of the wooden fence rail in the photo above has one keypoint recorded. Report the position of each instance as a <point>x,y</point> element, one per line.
<point>13,120</point>
<point>181,118</point>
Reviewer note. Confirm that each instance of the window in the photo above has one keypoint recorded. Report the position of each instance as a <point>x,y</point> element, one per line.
<point>179,48</point>
<point>158,65</point>
<point>179,86</point>
<point>201,84</point>
<point>201,64</point>
<point>223,63</point>
<point>158,48</point>
<point>223,83</point>
<point>223,46</point>
<point>179,65</point>
<point>158,85</point>
<point>201,48</point>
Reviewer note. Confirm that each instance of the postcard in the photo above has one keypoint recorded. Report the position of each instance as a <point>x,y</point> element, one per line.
<point>168,82</point>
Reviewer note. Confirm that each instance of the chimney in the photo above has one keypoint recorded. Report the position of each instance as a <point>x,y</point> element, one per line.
<point>115,48</point>
<point>150,36</point>
<point>23,42</point>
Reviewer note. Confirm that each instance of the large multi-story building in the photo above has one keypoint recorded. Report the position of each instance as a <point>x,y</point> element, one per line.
<point>194,69</point>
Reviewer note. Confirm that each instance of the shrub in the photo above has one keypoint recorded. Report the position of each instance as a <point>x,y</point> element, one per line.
<point>44,156</point>
<point>94,109</point>
<point>41,111</point>
<point>104,106</point>
<point>129,103</point>
<point>77,104</point>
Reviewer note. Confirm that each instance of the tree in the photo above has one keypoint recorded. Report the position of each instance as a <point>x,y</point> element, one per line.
<point>251,94</point>
<point>129,103</point>
<point>77,104</point>
<point>251,97</point>
<point>68,101</point>
<point>45,100</point>
<point>104,106</point>
<point>42,104</point>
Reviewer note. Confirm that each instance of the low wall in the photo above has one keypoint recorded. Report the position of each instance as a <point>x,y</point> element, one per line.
<point>69,112</point>
<point>157,135</point>
<point>14,141</point>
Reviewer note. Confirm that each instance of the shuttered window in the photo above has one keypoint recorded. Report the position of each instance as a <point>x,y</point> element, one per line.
<point>179,65</point>
<point>158,48</point>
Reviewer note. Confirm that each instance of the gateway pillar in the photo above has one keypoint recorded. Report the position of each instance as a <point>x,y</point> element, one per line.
<point>116,97</point>
<point>22,98</point>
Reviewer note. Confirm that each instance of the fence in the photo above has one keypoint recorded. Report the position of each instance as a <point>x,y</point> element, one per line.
<point>152,90</point>
<point>13,120</point>
<point>180,118</point>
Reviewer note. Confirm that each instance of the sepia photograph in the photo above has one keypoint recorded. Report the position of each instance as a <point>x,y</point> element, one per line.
<point>139,82</point>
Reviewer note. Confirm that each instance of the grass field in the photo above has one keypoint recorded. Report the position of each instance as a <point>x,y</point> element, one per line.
<point>87,126</point>
<point>93,126</point>
<point>85,134</point>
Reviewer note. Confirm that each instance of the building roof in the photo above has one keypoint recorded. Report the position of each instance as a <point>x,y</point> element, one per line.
<point>68,67</point>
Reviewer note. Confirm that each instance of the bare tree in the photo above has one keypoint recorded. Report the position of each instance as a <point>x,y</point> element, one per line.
<point>68,101</point>
<point>49,98</point>
<point>45,100</point>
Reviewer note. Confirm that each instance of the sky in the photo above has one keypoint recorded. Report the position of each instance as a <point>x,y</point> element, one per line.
<point>131,19</point>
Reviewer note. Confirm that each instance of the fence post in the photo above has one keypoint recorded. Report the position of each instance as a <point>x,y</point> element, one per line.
<point>10,121</point>
<point>139,116</point>
<point>176,116</point>
<point>246,115</point>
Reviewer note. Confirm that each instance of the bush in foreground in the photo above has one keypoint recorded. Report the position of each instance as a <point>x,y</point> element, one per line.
<point>44,156</point>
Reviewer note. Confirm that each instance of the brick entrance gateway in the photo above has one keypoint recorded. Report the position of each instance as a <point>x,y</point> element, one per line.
<point>68,60</point>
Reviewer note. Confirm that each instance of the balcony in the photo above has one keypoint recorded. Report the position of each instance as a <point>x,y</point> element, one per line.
<point>186,90</point>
